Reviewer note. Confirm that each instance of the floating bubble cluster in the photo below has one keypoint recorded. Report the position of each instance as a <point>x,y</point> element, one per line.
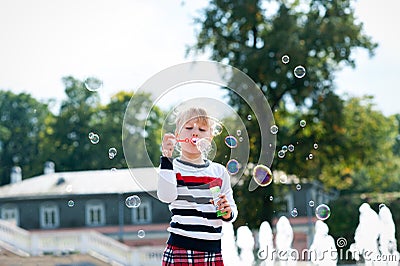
<point>262,175</point>
<point>132,201</point>
<point>322,212</point>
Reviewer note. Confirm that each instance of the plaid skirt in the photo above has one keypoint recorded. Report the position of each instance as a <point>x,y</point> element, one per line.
<point>185,257</point>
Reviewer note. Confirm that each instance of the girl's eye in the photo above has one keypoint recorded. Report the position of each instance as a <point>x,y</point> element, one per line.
<point>188,128</point>
<point>202,129</point>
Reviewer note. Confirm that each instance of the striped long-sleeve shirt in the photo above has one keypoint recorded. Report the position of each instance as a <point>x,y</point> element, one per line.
<point>186,187</point>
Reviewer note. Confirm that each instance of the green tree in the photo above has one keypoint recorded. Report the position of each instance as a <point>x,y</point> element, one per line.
<point>21,124</point>
<point>319,35</point>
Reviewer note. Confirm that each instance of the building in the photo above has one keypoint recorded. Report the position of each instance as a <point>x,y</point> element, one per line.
<point>88,200</point>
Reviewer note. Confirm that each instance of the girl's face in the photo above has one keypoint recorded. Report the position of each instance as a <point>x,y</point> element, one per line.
<point>192,131</point>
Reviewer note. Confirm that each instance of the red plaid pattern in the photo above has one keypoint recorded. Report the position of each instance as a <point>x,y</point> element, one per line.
<point>184,257</point>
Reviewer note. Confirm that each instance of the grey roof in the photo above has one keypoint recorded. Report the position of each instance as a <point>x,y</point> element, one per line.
<point>84,182</point>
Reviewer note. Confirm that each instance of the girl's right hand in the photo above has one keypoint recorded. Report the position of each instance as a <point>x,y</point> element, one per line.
<point>168,144</point>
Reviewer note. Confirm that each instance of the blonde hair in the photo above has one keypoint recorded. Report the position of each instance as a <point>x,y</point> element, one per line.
<point>192,113</point>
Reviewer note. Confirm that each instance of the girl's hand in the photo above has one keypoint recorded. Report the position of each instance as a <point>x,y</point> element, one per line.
<point>224,206</point>
<point>168,144</point>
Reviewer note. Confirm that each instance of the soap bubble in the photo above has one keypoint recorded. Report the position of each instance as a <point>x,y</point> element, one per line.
<point>291,148</point>
<point>141,234</point>
<point>315,146</point>
<point>299,71</point>
<point>274,129</point>
<point>112,152</point>
<point>95,138</point>
<point>93,84</point>
<point>232,166</point>
<point>231,142</point>
<point>238,132</point>
<point>284,148</point>
<point>310,156</point>
<point>271,198</point>
<point>298,186</point>
<point>249,117</point>
<point>71,203</point>
<point>323,212</point>
<point>283,179</point>
<point>294,212</point>
<point>311,203</point>
<point>285,59</point>
<point>281,154</point>
<point>262,175</point>
<point>132,201</point>
<point>216,129</point>
<point>303,123</point>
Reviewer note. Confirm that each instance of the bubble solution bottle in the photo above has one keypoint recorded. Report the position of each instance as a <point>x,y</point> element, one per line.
<point>215,192</point>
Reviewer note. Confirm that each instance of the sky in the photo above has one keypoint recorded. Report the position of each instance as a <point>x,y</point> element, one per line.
<point>126,42</point>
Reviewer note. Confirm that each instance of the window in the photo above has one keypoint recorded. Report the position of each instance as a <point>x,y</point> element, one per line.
<point>95,213</point>
<point>10,213</point>
<point>49,216</point>
<point>142,214</point>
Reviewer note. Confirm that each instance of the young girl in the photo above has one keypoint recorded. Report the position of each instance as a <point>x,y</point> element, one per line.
<point>185,183</point>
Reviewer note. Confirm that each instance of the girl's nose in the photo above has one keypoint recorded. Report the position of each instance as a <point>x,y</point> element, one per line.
<point>195,135</point>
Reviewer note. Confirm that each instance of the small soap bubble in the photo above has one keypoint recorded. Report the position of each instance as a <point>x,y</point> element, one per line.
<point>274,129</point>
<point>132,201</point>
<point>303,123</point>
<point>241,139</point>
<point>95,139</point>
<point>232,166</point>
<point>281,154</point>
<point>294,212</point>
<point>68,188</point>
<point>112,152</point>
<point>231,142</point>
<point>249,117</point>
<point>299,71</point>
<point>238,132</point>
<point>311,203</point>
<point>93,84</point>
<point>90,135</point>
<point>310,156</point>
<point>71,203</point>
<point>216,129</point>
<point>141,234</point>
<point>204,146</point>
<point>262,175</point>
<point>284,148</point>
<point>298,186</point>
<point>271,198</point>
<point>291,148</point>
<point>283,179</point>
<point>322,212</point>
<point>315,146</point>
<point>285,59</point>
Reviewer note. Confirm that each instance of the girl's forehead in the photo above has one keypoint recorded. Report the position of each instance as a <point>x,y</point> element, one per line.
<point>198,121</point>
